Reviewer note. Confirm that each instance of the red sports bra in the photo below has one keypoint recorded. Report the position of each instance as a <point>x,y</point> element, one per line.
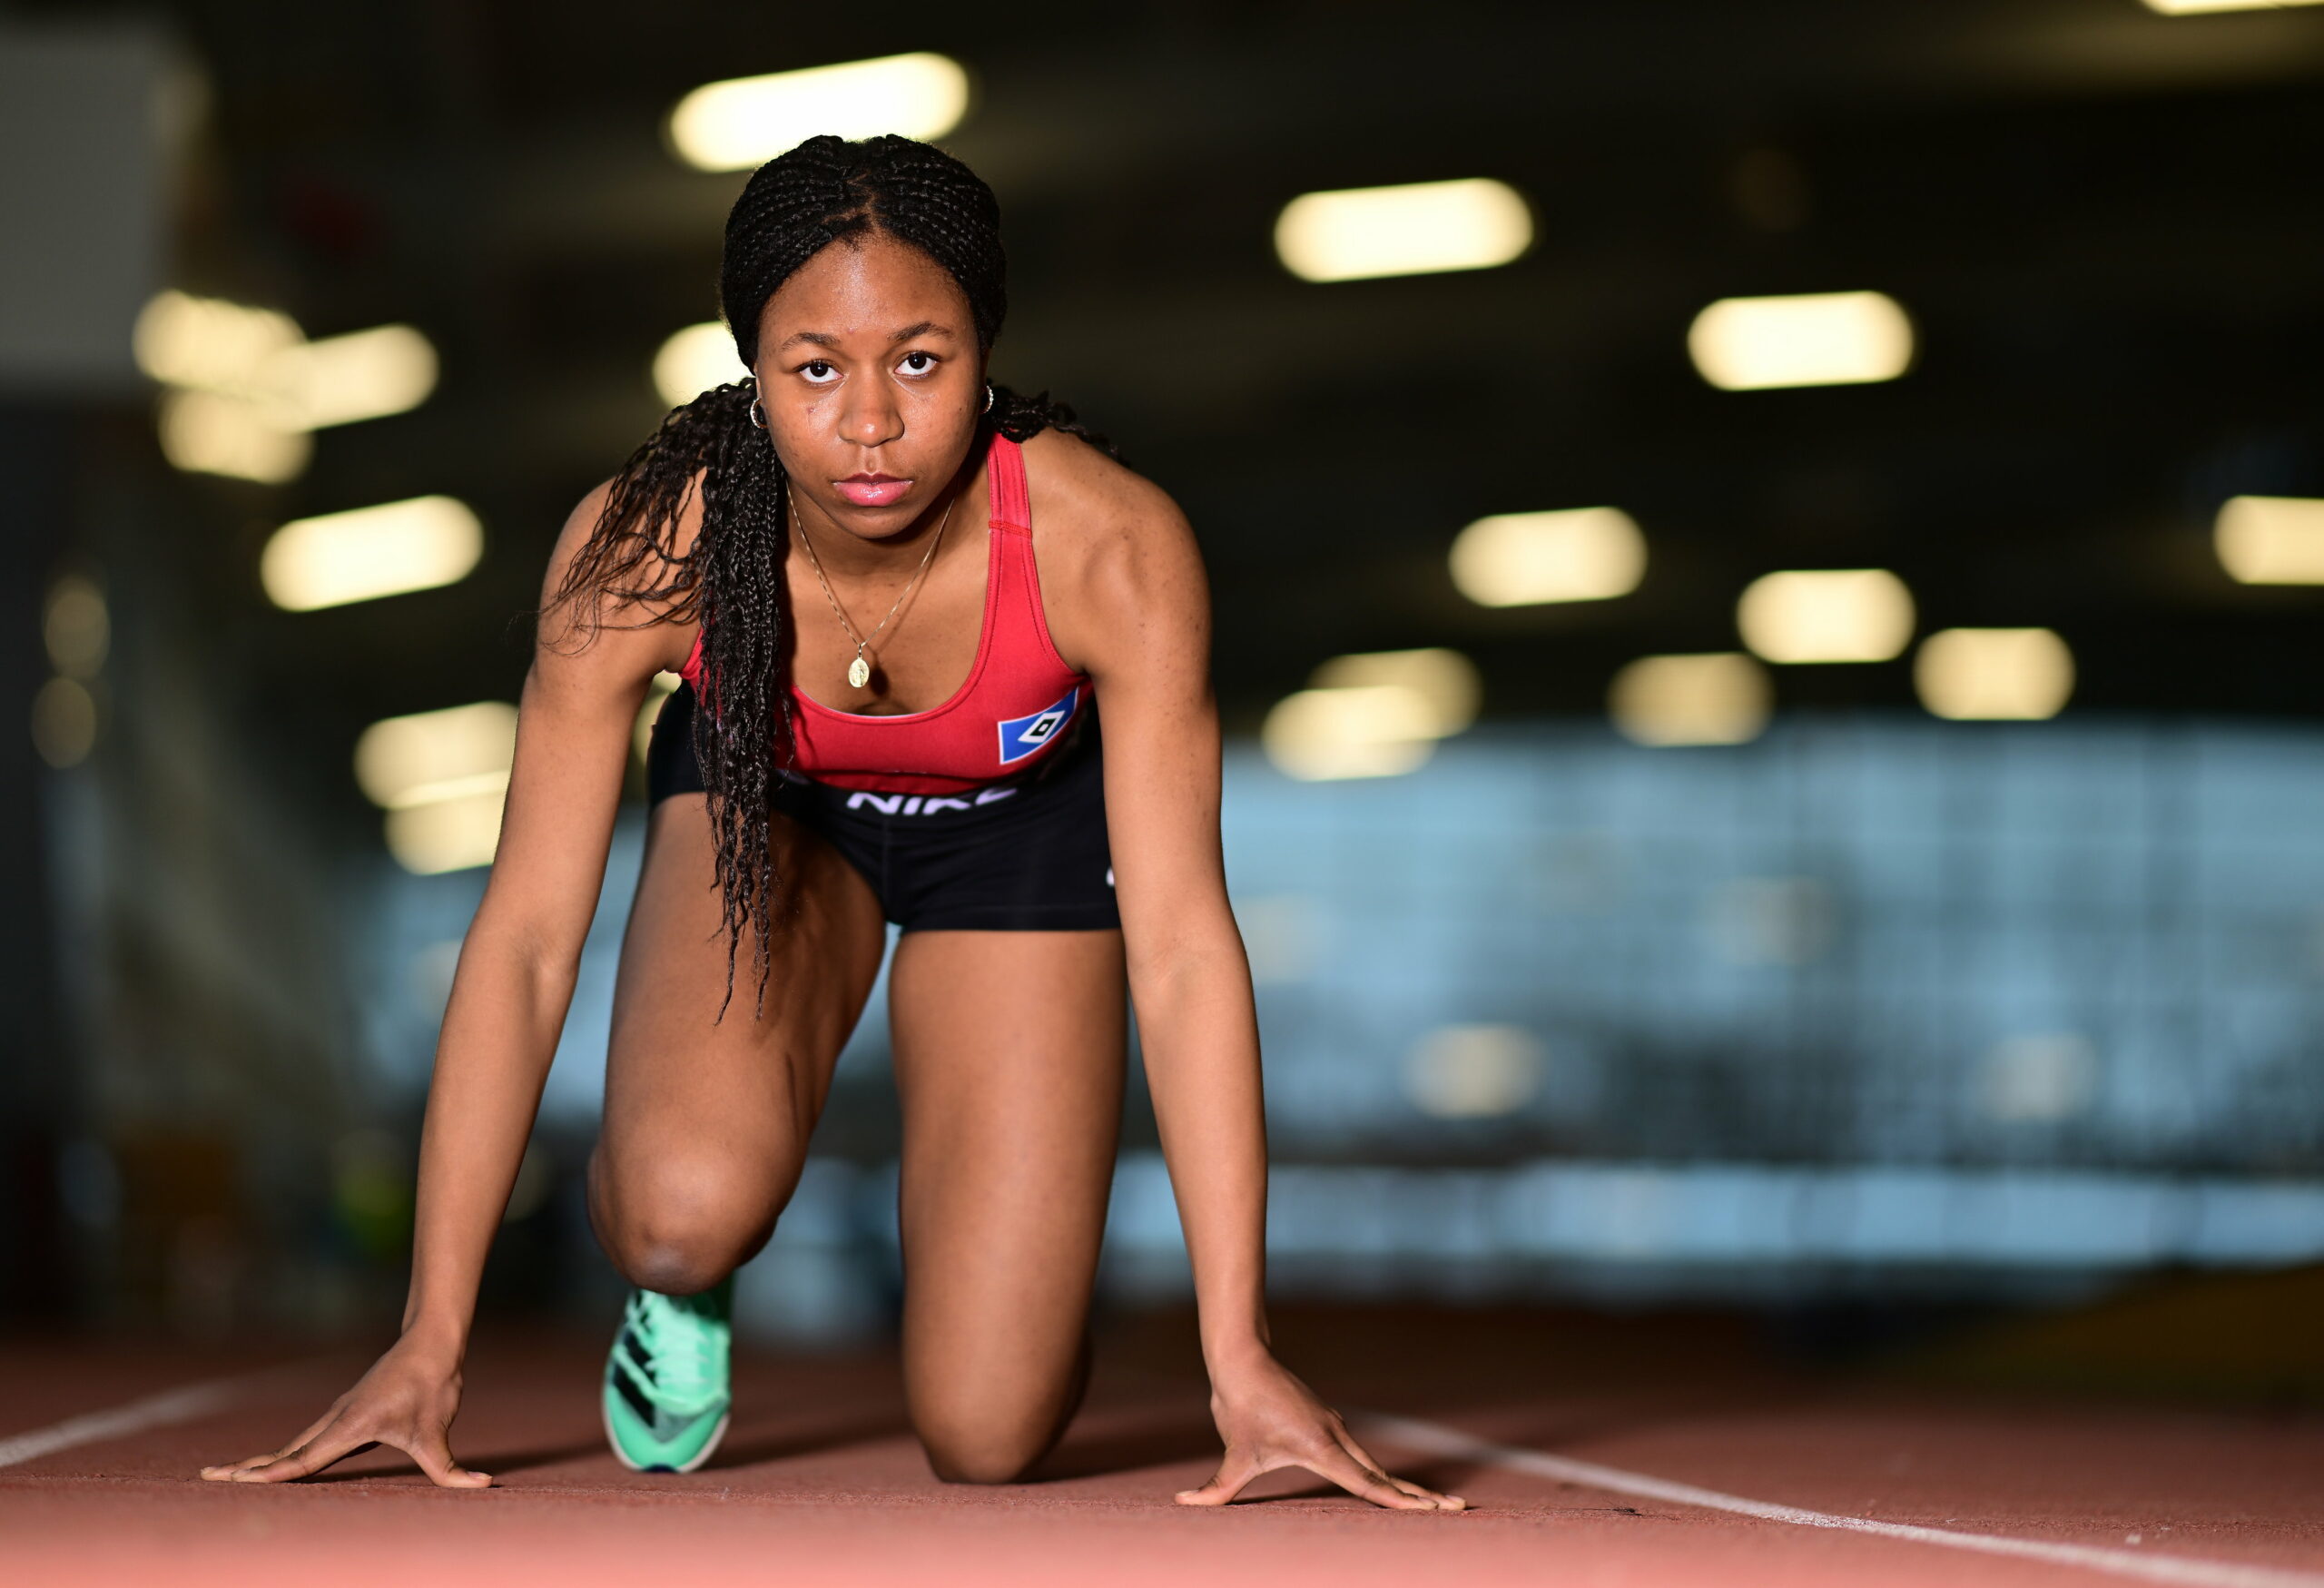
<point>1018,701</point>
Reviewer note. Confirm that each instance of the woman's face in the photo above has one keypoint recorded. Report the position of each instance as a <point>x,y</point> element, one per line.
<point>871,380</point>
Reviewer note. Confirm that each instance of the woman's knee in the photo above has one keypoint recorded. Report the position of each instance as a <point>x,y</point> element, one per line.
<point>987,1454</point>
<point>679,1226</point>
<point>981,1433</point>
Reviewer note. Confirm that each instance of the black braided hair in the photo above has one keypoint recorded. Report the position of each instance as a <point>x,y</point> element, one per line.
<point>794,206</point>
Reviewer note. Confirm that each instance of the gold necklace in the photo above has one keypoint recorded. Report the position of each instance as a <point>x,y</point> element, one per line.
<point>859,671</point>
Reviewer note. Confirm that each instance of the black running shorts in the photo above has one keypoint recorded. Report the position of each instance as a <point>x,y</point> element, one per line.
<point>1023,854</point>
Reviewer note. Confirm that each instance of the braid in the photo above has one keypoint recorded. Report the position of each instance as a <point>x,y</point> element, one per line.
<point>1020,419</point>
<point>745,713</point>
<point>731,579</point>
<point>734,569</point>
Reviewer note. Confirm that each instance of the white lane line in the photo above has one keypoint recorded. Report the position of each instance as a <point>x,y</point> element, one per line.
<point>1437,1440</point>
<point>155,1411</point>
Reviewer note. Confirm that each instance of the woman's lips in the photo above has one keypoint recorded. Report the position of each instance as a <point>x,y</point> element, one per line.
<point>872,490</point>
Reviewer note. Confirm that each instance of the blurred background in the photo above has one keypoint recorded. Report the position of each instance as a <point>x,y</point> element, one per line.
<point>1767,560</point>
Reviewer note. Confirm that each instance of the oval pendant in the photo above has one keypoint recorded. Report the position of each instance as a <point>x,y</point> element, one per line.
<point>859,672</point>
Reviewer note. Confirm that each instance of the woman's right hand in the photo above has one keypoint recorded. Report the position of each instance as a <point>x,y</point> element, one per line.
<point>408,1400</point>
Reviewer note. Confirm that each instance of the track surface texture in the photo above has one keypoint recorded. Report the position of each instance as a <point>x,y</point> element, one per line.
<point>1584,1446</point>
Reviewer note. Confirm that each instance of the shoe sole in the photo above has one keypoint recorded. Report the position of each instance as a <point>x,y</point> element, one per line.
<point>605,1420</point>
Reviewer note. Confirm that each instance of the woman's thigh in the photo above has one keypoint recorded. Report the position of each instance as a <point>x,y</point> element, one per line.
<point>706,1118</point>
<point>1009,1054</point>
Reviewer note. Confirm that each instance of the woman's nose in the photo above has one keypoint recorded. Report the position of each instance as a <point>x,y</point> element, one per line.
<point>872,418</point>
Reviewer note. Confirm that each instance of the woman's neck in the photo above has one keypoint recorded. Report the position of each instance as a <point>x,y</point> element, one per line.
<point>847,556</point>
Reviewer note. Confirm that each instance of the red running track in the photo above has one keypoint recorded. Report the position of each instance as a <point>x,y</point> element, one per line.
<point>1592,1453</point>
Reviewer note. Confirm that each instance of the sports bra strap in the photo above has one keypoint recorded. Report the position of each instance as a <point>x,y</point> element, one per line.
<point>1011,501</point>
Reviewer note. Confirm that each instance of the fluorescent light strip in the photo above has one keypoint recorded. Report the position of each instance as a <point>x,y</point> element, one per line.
<point>1719,697</point>
<point>1444,679</point>
<point>2200,7</point>
<point>1355,233</point>
<point>2271,540</point>
<point>364,554</point>
<point>1814,339</point>
<point>461,752</point>
<point>746,121</point>
<point>363,375</point>
<point>240,437</point>
<point>1525,560</point>
<point>693,361</point>
<point>1377,730</point>
<point>1827,614</point>
<point>1994,675</point>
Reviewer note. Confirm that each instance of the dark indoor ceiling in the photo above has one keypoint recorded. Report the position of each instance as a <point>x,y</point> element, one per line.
<point>2102,221</point>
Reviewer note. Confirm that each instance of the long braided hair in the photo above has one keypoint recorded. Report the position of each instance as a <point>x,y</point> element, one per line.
<point>826,190</point>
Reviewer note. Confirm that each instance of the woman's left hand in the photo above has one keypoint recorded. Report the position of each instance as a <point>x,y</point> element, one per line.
<point>1269,1420</point>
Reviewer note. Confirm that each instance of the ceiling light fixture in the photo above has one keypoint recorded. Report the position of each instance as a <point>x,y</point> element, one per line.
<point>1815,339</point>
<point>1525,560</point>
<point>1827,614</point>
<point>747,121</point>
<point>1420,229</point>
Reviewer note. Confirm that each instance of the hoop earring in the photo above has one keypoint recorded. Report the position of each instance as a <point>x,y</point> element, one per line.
<point>758,415</point>
<point>987,396</point>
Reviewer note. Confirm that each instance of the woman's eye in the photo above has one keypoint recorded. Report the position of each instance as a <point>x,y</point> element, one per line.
<point>817,371</point>
<point>916,363</point>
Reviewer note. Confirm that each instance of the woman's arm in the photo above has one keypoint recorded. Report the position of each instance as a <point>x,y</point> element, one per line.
<point>509,995</point>
<point>1140,626</point>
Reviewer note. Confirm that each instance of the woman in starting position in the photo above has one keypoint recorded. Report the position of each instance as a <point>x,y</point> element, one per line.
<point>899,596</point>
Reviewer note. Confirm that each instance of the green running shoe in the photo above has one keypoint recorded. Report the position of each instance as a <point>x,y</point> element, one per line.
<point>666,1396</point>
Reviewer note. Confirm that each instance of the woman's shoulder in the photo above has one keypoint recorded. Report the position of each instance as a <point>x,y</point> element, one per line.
<point>1086,504</point>
<point>1114,548</point>
<point>606,555</point>
<point>588,517</point>
<point>1082,480</point>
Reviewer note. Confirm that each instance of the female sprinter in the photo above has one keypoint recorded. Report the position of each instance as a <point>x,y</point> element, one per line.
<point>899,596</point>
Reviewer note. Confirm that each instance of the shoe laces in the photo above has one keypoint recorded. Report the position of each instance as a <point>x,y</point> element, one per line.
<point>687,1335</point>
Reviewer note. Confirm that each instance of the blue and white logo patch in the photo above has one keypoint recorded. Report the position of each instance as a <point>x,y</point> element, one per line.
<point>1021,736</point>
